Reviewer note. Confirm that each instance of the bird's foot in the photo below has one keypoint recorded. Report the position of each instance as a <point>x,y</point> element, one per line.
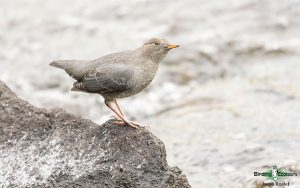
<point>119,122</point>
<point>136,124</point>
<point>130,123</point>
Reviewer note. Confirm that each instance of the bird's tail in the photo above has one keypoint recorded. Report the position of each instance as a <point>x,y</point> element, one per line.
<point>75,89</point>
<point>78,86</point>
<point>75,68</point>
<point>59,63</point>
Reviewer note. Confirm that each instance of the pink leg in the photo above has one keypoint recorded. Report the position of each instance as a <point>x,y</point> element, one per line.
<point>122,113</point>
<point>119,108</point>
<point>108,104</point>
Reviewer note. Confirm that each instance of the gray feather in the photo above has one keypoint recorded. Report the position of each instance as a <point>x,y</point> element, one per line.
<point>78,68</point>
<point>75,68</point>
<point>107,79</point>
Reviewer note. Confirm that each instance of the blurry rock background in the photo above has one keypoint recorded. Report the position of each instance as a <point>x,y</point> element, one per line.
<point>230,93</point>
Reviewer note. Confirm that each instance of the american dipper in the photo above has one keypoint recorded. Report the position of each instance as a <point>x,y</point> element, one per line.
<point>118,75</point>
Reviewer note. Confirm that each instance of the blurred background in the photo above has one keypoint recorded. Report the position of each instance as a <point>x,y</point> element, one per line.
<point>226,103</point>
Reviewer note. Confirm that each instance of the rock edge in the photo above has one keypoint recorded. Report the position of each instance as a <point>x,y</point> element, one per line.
<point>41,148</point>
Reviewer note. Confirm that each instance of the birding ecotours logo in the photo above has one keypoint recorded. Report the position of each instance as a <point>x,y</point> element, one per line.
<point>275,175</point>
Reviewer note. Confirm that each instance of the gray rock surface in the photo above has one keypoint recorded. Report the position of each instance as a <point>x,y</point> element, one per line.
<point>40,148</point>
<point>225,104</point>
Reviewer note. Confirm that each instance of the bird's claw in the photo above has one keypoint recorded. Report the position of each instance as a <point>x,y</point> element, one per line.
<point>119,122</point>
<point>130,123</point>
<point>136,126</point>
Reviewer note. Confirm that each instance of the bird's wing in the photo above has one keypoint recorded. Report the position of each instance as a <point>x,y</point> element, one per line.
<point>107,79</point>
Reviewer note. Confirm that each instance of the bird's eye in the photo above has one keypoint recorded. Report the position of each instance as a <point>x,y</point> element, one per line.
<point>156,43</point>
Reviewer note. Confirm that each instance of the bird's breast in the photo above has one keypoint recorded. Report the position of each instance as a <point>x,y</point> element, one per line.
<point>144,77</point>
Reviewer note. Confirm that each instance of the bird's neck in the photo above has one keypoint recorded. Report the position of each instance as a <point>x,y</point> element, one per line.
<point>153,57</point>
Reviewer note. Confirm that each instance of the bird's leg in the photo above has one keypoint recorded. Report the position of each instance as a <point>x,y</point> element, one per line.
<point>122,113</point>
<point>120,122</point>
<point>119,108</point>
<point>108,104</point>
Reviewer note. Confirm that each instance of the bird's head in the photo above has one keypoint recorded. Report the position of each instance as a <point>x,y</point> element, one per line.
<point>156,49</point>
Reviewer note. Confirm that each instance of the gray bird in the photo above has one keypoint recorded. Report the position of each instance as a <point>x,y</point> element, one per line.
<point>118,75</point>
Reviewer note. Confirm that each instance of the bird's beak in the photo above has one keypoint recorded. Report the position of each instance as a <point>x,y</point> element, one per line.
<point>172,46</point>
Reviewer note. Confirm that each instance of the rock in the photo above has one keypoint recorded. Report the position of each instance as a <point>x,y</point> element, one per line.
<point>41,148</point>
